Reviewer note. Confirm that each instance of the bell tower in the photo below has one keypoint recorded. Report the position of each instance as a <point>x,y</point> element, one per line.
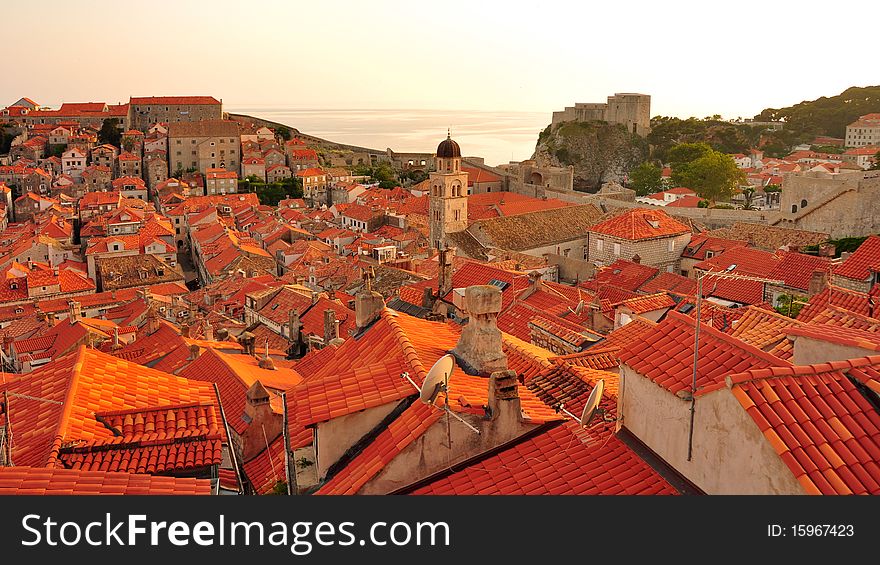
<point>447,202</point>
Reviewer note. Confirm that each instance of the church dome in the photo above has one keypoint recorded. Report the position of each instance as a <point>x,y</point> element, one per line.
<point>448,149</point>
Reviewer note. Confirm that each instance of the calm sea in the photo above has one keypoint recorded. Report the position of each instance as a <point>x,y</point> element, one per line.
<point>499,137</point>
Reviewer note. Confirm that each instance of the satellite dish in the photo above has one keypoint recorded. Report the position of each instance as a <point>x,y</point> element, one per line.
<point>592,405</point>
<point>436,379</point>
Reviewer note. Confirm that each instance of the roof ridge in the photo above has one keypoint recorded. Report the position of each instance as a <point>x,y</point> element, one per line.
<point>410,354</point>
<point>67,406</point>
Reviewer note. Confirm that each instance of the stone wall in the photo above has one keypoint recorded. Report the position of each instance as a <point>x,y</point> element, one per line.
<point>662,253</point>
<point>843,205</point>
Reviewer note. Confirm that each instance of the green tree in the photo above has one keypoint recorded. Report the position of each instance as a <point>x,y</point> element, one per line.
<point>383,172</point>
<point>109,132</point>
<point>680,156</point>
<point>749,197</point>
<point>790,305</point>
<point>283,132</point>
<point>646,178</point>
<point>128,144</point>
<point>876,165</point>
<point>714,176</point>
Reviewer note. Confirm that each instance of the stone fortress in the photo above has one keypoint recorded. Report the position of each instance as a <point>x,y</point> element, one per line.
<point>629,109</point>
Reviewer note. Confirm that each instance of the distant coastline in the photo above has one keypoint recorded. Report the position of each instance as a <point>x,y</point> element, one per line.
<point>497,136</point>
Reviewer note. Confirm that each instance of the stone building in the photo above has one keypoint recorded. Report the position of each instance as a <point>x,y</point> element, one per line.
<point>155,168</point>
<point>538,180</point>
<point>199,146</point>
<point>314,185</point>
<point>447,201</point>
<point>841,205</point>
<point>629,109</point>
<point>148,110</point>
<point>220,181</point>
<point>864,131</point>
<point>649,237</point>
<point>128,165</point>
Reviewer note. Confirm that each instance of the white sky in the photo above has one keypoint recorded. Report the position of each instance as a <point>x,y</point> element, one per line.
<point>694,58</point>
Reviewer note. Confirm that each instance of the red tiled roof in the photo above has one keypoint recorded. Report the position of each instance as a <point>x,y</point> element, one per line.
<point>762,328</point>
<point>405,429</point>
<point>173,100</point>
<point>851,300</point>
<point>267,468</point>
<point>648,303</point>
<point>670,282</point>
<point>600,358</point>
<point>863,262</point>
<point>748,261</point>
<point>834,316</point>
<point>627,334</point>
<point>181,437</point>
<point>84,383</point>
<point>839,335</point>
<point>822,427</point>
<point>796,269</point>
<point>639,223</point>
<point>40,481</point>
<point>665,355</point>
<point>623,274</point>
<point>365,372</point>
<point>562,460</point>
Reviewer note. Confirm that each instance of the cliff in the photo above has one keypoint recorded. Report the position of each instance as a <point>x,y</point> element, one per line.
<point>599,152</point>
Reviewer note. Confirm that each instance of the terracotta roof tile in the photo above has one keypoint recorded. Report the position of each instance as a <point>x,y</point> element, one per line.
<point>762,328</point>
<point>665,355</point>
<point>822,427</point>
<point>562,460</point>
<point>48,481</point>
<point>641,223</point>
<point>863,262</point>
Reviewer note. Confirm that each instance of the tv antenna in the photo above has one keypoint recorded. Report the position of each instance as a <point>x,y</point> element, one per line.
<point>435,383</point>
<point>577,309</point>
<point>591,408</point>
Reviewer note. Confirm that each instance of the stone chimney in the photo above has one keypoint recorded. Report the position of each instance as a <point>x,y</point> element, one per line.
<point>315,297</point>
<point>330,327</point>
<point>152,321</point>
<point>368,304</point>
<point>428,298</point>
<point>116,345</point>
<point>480,343</point>
<point>209,331</point>
<point>294,325</point>
<point>444,274</point>
<point>41,316</point>
<point>75,311</point>
<point>827,249</point>
<point>504,404</point>
<point>50,318</point>
<point>193,352</point>
<point>264,425</point>
<point>247,340</point>
<point>818,282</point>
<point>534,285</point>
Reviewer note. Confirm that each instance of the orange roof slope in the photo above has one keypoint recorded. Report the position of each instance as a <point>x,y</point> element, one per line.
<point>748,261</point>
<point>665,355</point>
<point>623,274</point>
<point>670,282</point>
<point>561,460</point>
<point>762,328</point>
<point>796,269</point>
<point>84,383</point>
<point>834,316</point>
<point>822,427</point>
<point>154,440</point>
<point>365,372</point>
<point>641,223</point>
<point>41,481</point>
<point>863,262</point>
<point>851,300</point>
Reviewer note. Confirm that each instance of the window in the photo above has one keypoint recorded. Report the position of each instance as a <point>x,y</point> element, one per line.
<point>600,245</point>
<point>671,245</point>
<point>793,208</point>
<point>803,203</point>
<point>617,249</point>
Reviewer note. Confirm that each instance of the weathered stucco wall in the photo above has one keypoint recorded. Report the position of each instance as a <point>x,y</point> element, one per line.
<point>336,436</point>
<point>809,351</point>
<point>730,454</point>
